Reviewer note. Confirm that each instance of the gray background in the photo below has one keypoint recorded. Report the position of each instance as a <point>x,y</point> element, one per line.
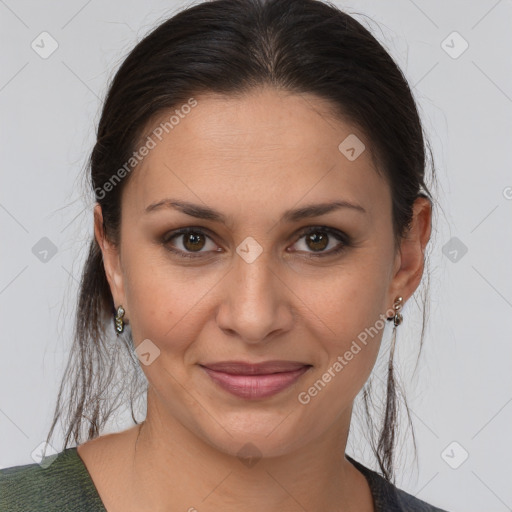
<point>462,392</point>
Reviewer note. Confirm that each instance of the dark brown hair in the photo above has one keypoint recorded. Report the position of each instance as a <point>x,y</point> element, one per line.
<point>231,47</point>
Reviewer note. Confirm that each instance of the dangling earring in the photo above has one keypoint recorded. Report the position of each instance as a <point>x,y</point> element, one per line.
<point>397,320</point>
<point>118,320</point>
<point>397,306</point>
<point>391,398</point>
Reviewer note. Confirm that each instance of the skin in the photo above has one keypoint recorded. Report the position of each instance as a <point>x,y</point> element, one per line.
<point>251,158</point>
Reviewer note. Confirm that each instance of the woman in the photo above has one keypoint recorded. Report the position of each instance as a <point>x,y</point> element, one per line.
<point>261,210</point>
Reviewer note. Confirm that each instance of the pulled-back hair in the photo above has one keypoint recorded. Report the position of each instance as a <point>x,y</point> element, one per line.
<point>232,47</point>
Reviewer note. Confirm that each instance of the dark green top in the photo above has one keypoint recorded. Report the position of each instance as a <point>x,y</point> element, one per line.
<point>66,486</point>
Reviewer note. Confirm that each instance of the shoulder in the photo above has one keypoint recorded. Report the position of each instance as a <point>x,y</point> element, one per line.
<point>409,502</point>
<point>60,482</point>
<point>387,497</point>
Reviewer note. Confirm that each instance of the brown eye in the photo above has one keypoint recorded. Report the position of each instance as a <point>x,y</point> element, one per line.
<point>193,241</point>
<point>318,239</point>
<point>188,243</point>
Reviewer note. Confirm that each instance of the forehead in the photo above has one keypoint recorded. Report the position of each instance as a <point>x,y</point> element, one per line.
<point>262,151</point>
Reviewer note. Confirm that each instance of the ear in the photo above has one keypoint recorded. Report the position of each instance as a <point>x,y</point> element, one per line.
<point>410,258</point>
<point>111,260</point>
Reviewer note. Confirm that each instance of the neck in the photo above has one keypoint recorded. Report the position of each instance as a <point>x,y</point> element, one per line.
<point>175,469</point>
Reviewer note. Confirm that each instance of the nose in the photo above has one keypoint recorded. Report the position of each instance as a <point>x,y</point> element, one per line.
<point>255,303</point>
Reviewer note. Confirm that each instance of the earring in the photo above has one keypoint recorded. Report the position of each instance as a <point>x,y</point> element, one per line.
<point>118,320</point>
<point>391,395</point>
<point>397,306</point>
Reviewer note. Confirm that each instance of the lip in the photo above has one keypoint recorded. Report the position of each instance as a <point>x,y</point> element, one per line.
<point>246,368</point>
<point>255,381</point>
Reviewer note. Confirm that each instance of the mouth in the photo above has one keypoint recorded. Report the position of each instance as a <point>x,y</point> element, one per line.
<point>255,381</point>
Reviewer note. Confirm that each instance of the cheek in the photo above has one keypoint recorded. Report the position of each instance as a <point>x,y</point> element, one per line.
<point>347,320</point>
<point>347,299</point>
<point>349,338</point>
<point>166,301</point>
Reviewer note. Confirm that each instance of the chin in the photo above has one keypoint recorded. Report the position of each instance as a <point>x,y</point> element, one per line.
<point>250,448</point>
<point>257,434</point>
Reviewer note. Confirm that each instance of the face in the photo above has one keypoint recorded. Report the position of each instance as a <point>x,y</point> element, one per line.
<point>260,280</point>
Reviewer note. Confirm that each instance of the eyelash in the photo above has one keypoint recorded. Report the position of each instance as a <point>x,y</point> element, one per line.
<point>345,240</point>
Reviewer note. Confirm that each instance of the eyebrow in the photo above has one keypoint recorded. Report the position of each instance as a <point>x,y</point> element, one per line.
<point>204,212</point>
